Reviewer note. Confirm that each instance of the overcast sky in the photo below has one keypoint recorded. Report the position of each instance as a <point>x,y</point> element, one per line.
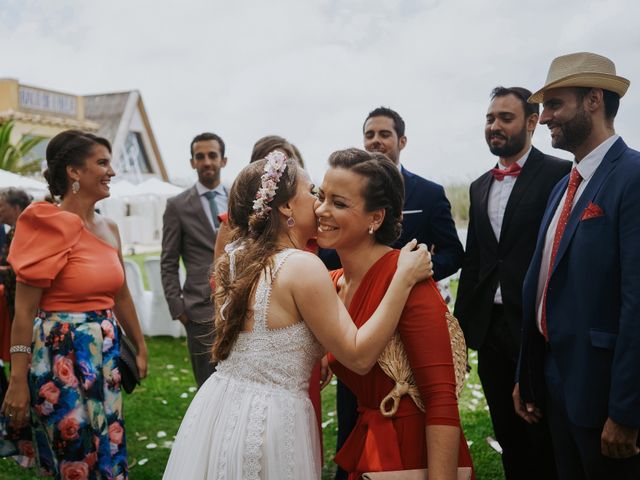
<point>310,70</point>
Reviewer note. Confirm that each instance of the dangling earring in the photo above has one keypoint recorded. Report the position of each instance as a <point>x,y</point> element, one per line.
<point>75,187</point>
<point>290,222</point>
<point>370,229</point>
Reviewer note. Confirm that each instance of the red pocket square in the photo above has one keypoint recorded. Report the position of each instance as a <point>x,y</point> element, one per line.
<point>592,211</point>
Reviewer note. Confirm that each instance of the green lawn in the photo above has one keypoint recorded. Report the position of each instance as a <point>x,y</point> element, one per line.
<point>154,411</point>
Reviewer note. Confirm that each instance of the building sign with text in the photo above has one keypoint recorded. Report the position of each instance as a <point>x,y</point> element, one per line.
<point>47,101</point>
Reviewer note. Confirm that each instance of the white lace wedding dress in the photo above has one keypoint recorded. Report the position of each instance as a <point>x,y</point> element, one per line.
<point>252,419</point>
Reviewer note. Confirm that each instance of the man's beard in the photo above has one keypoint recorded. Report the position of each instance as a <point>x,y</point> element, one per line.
<point>574,132</point>
<point>512,145</point>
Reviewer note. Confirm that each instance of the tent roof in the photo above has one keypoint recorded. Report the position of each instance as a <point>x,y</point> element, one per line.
<point>33,187</point>
<point>154,186</point>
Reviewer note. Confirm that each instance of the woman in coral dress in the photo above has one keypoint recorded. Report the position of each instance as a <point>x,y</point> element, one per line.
<point>63,407</point>
<point>359,210</point>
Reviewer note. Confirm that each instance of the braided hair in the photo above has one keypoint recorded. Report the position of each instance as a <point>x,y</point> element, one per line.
<point>258,234</point>
<point>71,147</point>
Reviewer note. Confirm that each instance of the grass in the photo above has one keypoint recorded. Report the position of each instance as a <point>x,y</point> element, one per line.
<point>154,411</point>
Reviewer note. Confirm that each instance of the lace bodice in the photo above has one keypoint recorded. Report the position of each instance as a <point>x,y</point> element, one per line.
<point>281,357</point>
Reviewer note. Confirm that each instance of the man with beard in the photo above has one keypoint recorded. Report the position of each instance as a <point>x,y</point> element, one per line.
<point>580,353</point>
<point>507,204</point>
<point>190,226</point>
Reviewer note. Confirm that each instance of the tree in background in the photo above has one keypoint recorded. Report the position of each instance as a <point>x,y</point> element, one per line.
<point>15,158</point>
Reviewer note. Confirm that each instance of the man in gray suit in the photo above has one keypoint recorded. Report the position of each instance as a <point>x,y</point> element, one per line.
<point>190,226</point>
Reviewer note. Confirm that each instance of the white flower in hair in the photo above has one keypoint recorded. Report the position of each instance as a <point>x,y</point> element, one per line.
<point>273,170</point>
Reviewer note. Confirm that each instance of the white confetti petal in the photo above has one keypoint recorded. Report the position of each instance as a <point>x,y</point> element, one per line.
<point>170,367</point>
<point>174,379</point>
<point>162,434</point>
<point>167,444</point>
<point>327,423</point>
<point>142,438</point>
<point>331,414</point>
<point>151,446</point>
<point>477,394</point>
<point>143,461</point>
<point>469,443</point>
<point>164,402</point>
<point>183,395</point>
<point>192,389</point>
<point>184,370</point>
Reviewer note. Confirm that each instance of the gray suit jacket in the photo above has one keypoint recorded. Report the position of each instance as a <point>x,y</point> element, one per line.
<point>187,233</point>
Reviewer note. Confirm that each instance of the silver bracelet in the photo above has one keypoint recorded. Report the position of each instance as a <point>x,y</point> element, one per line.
<point>20,349</point>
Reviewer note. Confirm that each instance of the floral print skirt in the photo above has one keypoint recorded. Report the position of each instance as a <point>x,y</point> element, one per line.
<point>77,427</point>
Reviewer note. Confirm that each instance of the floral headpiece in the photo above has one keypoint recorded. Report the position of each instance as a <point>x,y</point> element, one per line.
<point>273,170</point>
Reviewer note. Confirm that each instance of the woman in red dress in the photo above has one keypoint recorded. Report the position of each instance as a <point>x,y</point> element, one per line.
<point>360,211</point>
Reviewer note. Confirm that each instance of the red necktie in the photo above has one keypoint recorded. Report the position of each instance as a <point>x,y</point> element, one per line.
<point>574,182</point>
<point>512,171</point>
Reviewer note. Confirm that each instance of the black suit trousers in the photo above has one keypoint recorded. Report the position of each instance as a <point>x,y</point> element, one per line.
<point>347,406</point>
<point>526,449</point>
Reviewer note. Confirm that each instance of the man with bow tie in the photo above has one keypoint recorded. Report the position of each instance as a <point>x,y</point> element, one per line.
<point>507,204</point>
<point>580,356</point>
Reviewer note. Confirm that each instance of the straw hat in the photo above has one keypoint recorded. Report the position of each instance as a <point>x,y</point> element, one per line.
<point>582,69</point>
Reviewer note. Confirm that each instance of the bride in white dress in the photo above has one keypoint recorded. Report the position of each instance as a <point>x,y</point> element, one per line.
<point>278,314</point>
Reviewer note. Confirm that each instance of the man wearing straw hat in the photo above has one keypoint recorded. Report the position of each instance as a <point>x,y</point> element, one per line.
<point>580,355</point>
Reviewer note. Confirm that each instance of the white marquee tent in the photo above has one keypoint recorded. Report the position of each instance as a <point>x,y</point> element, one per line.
<point>33,187</point>
<point>138,210</point>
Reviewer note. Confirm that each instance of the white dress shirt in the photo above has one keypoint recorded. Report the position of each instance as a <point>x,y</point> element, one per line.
<point>586,167</point>
<point>220,198</point>
<point>499,194</point>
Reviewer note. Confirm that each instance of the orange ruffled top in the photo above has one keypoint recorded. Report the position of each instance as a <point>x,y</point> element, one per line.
<point>52,250</point>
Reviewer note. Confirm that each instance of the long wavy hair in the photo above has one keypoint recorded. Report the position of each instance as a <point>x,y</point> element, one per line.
<point>258,236</point>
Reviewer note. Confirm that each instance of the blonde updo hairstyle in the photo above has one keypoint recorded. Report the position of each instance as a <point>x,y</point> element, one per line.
<point>258,232</point>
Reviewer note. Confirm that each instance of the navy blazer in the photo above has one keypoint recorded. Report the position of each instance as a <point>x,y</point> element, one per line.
<point>593,299</point>
<point>428,219</point>
<point>431,223</point>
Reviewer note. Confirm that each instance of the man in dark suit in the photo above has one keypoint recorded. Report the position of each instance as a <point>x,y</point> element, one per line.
<point>580,354</point>
<point>507,204</point>
<point>190,225</point>
<point>426,217</point>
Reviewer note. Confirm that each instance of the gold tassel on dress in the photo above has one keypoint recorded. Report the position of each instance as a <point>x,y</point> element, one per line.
<point>395,365</point>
